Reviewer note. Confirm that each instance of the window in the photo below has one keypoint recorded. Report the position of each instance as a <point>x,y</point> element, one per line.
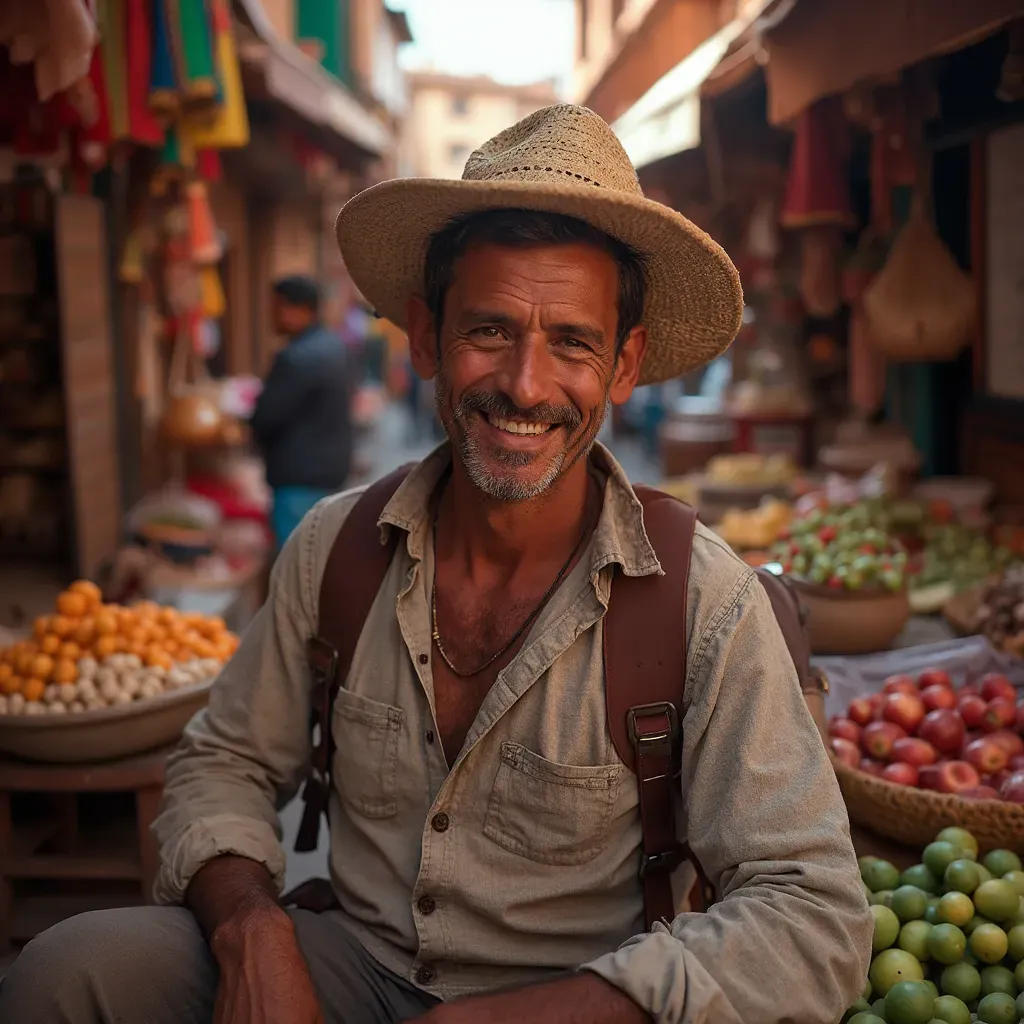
<point>460,105</point>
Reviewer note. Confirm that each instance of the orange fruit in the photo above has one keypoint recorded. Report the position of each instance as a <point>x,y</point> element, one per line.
<point>105,646</point>
<point>138,649</point>
<point>73,605</point>
<point>12,684</point>
<point>146,609</point>
<point>62,625</point>
<point>158,634</point>
<point>32,689</point>
<point>105,622</point>
<point>92,593</point>
<point>41,626</point>
<point>213,625</point>
<point>25,658</point>
<point>156,656</point>
<point>65,671</point>
<point>205,649</point>
<point>42,666</point>
<point>167,616</point>
<point>70,650</point>
<point>85,631</point>
<point>50,644</point>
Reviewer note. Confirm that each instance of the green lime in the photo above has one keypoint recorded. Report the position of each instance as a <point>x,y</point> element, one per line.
<point>951,1010</point>
<point>974,923</point>
<point>962,981</point>
<point>1018,976</point>
<point>909,1002</point>
<point>878,1008</point>
<point>1016,879</point>
<point>909,903</point>
<point>984,875</point>
<point>989,943</point>
<point>1015,940</point>
<point>998,979</point>
<point>879,874</point>
<point>955,908</point>
<point>892,966</point>
<point>867,1018</point>
<point>1020,1006</point>
<point>999,862</point>
<point>962,876</point>
<point>997,1008</point>
<point>913,938</point>
<point>887,928</point>
<point>938,856</point>
<point>997,900</point>
<point>920,877</point>
<point>959,837</point>
<point>882,898</point>
<point>862,1006</point>
<point>932,987</point>
<point>867,993</point>
<point>947,944</point>
<point>1017,918</point>
<point>931,915</point>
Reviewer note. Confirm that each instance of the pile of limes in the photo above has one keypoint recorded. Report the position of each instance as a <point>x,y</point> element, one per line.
<point>949,937</point>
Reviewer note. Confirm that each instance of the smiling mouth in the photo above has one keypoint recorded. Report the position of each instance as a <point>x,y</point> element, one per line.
<point>517,427</point>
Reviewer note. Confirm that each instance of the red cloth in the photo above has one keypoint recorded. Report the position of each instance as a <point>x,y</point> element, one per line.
<point>143,127</point>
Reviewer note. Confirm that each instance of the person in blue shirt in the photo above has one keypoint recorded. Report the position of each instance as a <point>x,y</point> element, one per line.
<point>302,421</point>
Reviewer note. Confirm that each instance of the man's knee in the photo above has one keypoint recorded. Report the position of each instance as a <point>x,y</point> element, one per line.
<point>137,963</point>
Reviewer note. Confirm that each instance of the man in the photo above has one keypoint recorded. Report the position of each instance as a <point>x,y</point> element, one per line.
<point>483,832</point>
<point>301,422</point>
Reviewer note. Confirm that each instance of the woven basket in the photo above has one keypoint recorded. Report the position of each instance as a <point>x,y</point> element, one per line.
<point>915,816</point>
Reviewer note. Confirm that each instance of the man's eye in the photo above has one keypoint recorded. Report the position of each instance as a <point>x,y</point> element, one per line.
<point>574,343</point>
<point>488,333</point>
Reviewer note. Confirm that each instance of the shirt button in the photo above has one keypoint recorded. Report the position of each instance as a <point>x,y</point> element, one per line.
<point>430,737</point>
<point>425,975</point>
<point>426,905</point>
<point>440,822</point>
<point>423,659</point>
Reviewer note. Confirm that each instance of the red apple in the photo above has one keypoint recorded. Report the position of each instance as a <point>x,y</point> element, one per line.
<point>995,685</point>
<point>954,777</point>
<point>871,766</point>
<point>901,773</point>
<point>934,677</point>
<point>849,730</point>
<point>1000,714</point>
<point>980,793</point>
<point>1010,742</point>
<point>878,738</point>
<point>845,751</point>
<point>986,756</point>
<point>860,711</point>
<point>996,779</point>
<point>944,730</point>
<point>936,697</point>
<point>914,751</point>
<point>899,684</point>
<point>1013,788</point>
<point>972,710</point>
<point>1017,763</point>
<point>875,700</point>
<point>907,710</point>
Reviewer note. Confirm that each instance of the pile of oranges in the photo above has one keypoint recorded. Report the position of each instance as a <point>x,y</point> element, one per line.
<point>84,627</point>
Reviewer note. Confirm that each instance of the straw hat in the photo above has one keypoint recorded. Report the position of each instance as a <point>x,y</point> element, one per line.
<point>562,159</point>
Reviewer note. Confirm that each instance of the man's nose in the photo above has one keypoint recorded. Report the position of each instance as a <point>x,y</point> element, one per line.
<point>526,373</point>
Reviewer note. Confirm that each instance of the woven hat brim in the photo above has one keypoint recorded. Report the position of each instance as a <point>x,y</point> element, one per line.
<point>694,298</point>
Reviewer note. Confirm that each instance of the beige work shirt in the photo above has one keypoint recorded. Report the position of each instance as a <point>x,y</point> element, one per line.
<point>520,860</point>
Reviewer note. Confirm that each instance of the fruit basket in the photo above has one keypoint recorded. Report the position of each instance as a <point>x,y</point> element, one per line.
<point>913,816</point>
<point>105,733</point>
<point>843,621</point>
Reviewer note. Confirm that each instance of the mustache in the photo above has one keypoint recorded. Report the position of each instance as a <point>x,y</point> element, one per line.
<point>494,403</point>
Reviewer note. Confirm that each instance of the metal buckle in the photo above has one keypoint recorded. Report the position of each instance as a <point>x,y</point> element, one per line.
<point>323,660</point>
<point>667,861</point>
<point>661,743</point>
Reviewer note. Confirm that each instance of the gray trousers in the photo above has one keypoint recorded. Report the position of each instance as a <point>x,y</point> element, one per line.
<point>151,965</point>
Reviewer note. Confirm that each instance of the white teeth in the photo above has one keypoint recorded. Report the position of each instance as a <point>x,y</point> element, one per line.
<point>513,427</point>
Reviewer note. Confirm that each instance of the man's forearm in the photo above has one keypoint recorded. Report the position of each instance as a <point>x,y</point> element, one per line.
<point>228,890</point>
<point>582,999</point>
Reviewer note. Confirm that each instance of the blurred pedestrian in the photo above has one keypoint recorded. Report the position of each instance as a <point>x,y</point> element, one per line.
<point>302,420</point>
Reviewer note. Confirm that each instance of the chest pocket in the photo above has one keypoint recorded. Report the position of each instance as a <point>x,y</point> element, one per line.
<point>551,813</point>
<point>365,766</point>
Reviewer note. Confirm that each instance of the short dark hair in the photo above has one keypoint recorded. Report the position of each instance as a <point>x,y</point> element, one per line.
<point>299,290</point>
<point>522,228</point>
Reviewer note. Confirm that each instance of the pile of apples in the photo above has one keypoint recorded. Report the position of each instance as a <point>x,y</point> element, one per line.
<point>924,732</point>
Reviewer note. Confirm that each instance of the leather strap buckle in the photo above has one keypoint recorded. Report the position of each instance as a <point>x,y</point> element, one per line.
<point>322,659</point>
<point>668,861</point>
<point>661,743</point>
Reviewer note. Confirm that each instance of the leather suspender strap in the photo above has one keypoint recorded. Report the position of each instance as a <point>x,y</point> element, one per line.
<point>645,672</point>
<point>352,576</point>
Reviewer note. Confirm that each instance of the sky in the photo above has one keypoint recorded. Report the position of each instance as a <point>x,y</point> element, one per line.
<point>513,41</point>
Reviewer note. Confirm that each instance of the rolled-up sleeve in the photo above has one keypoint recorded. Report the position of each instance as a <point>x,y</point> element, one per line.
<point>790,939</point>
<point>244,755</point>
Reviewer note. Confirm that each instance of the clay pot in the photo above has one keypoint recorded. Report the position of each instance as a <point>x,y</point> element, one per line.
<point>852,621</point>
<point>192,419</point>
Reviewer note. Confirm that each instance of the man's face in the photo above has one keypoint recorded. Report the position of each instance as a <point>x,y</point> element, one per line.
<point>290,319</point>
<point>526,363</point>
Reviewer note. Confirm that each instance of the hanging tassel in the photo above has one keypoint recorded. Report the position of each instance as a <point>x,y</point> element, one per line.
<point>208,165</point>
<point>212,293</point>
<point>204,243</point>
<point>131,268</point>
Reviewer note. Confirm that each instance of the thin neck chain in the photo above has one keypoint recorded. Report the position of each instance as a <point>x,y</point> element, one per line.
<point>519,632</point>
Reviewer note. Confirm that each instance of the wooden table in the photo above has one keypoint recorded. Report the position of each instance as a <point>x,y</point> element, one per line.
<point>53,842</point>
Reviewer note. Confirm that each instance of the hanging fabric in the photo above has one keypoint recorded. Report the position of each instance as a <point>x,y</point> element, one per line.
<point>192,46</point>
<point>111,19</point>
<point>143,127</point>
<point>164,97</point>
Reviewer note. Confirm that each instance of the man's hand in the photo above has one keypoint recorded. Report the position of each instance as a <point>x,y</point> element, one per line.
<point>263,975</point>
<point>584,998</point>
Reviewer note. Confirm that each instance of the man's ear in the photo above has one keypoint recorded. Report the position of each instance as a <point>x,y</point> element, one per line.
<point>423,346</point>
<point>627,365</point>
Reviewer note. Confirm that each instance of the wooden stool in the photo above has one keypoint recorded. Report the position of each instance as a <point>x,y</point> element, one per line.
<point>51,847</point>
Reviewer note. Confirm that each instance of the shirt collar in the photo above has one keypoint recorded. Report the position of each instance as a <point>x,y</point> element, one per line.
<point>619,538</point>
